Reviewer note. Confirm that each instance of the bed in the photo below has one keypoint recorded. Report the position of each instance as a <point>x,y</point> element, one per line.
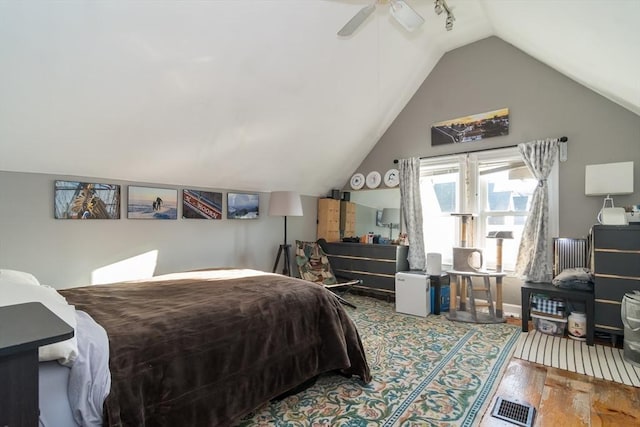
<point>206,347</point>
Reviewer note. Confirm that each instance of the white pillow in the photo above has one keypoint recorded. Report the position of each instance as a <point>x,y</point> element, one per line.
<point>17,287</point>
<point>18,277</point>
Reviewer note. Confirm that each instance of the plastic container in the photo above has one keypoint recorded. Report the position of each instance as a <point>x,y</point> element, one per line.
<point>542,305</point>
<point>630,313</point>
<point>549,325</point>
<point>577,326</point>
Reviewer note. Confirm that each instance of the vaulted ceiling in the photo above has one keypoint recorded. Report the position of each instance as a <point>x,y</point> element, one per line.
<point>259,95</point>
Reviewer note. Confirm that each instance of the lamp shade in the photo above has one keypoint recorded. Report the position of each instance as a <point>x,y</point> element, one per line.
<point>608,178</point>
<point>390,216</point>
<point>285,203</point>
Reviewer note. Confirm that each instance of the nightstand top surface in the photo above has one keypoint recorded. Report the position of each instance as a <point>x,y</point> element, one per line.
<point>28,326</point>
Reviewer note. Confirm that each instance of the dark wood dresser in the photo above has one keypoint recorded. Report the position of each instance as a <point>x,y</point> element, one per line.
<point>616,266</point>
<point>375,265</point>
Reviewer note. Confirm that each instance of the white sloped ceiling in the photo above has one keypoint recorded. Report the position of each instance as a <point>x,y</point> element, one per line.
<point>258,95</point>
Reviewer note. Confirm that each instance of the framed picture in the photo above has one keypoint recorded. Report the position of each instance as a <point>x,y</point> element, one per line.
<point>243,205</point>
<point>471,128</point>
<point>86,200</point>
<point>152,203</point>
<point>201,204</point>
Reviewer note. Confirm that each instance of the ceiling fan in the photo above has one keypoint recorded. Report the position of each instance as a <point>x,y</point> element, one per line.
<point>400,10</point>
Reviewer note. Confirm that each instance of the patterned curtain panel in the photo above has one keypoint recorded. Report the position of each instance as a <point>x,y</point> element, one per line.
<point>532,263</point>
<point>412,211</point>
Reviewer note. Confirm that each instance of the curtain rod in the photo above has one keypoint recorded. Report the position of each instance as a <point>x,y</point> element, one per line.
<point>561,139</point>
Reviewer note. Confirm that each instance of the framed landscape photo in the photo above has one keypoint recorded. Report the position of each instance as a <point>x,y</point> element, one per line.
<point>201,204</point>
<point>86,200</point>
<point>152,203</point>
<point>471,128</point>
<point>243,205</point>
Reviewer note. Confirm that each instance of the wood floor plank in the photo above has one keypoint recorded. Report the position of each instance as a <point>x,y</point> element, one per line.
<point>563,398</point>
<point>523,382</point>
<point>565,401</point>
<point>614,404</point>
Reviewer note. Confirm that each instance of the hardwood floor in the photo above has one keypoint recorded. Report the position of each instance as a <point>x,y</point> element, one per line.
<point>563,398</point>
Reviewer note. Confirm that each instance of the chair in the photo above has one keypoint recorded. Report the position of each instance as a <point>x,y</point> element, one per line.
<point>313,266</point>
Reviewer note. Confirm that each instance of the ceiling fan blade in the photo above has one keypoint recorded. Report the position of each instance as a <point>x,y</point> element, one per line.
<point>405,15</point>
<point>353,24</point>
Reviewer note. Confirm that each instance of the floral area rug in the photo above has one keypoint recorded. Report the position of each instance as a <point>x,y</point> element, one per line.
<point>426,372</point>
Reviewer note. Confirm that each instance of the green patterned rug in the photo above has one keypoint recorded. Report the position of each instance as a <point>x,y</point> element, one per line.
<point>426,372</point>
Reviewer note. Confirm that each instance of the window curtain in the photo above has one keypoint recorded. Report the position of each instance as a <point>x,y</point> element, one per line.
<point>532,262</point>
<point>412,211</point>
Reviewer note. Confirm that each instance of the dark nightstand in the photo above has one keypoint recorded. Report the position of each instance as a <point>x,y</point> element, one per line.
<point>585,297</point>
<point>23,329</point>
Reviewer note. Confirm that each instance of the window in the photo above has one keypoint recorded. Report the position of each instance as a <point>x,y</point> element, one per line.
<point>495,186</point>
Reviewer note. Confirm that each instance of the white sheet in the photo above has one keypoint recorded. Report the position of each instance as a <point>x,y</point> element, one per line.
<point>75,396</point>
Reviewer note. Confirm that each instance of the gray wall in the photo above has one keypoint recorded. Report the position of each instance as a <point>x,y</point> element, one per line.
<point>63,253</point>
<point>492,74</point>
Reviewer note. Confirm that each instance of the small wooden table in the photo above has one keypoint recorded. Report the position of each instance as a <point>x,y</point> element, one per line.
<point>23,329</point>
<point>463,315</point>
<point>587,297</point>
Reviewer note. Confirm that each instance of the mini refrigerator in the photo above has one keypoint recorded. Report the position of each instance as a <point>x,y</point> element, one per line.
<point>413,294</point>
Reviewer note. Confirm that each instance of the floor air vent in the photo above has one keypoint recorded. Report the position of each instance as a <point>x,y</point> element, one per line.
<point>514,412</point>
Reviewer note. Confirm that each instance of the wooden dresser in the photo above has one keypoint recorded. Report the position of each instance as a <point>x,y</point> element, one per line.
<point>336,219</point>
<point>328,220</point>
<point>375,265</point>
<point>616,266</point>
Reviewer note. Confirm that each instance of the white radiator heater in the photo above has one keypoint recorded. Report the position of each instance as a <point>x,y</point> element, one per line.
<point>413,293</point>
<point>569,253</point>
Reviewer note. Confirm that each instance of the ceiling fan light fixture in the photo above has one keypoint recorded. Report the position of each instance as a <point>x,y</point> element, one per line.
<point>405,15</point>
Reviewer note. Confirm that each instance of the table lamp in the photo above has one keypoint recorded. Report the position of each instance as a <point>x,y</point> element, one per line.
<point>390,218</point>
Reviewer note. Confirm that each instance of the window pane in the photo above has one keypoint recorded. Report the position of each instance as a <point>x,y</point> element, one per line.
<point>509,246</point>
<point>439,190</point>
<point>504,206</point>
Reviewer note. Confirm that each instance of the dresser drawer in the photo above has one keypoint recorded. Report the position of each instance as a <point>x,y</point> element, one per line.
<point>370,280</point>
<point>345,262</point>
<point>617,263</point>
<point>626,238</point>
<point>614,288</point>
<point>363,250</point>
<point>607,317</point>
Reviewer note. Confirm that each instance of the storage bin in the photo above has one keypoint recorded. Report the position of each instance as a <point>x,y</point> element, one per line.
<point>544,306</point>
<point>549,325</point>
<point>630,314</point>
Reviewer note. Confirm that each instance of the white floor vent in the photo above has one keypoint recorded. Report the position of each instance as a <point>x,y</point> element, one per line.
<point>514,412</point>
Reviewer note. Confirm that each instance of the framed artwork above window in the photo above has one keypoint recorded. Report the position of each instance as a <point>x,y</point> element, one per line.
<point>471,128</point>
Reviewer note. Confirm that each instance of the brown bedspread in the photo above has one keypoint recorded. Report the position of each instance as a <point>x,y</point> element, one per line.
<point>205,348</point>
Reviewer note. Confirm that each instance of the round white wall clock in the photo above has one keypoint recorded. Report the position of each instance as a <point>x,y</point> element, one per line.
<point>374,179</point>
<point>392,178</point>
<point>357,181</point>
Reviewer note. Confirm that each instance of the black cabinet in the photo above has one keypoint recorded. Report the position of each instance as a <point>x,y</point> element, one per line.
<point>23,329</point>
<point>616,267</point>
<point>375,265</point>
